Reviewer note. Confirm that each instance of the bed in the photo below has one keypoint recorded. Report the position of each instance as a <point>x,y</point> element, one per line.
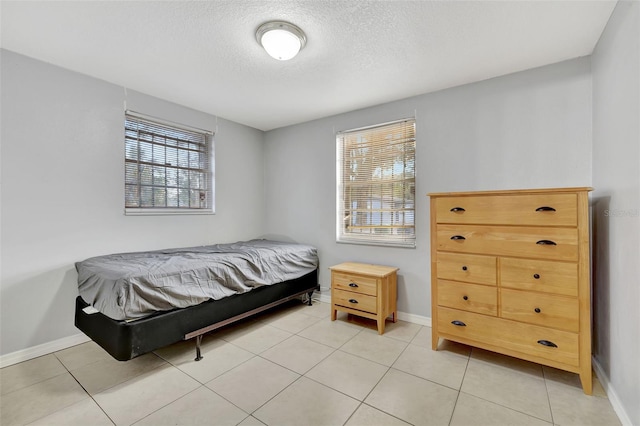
<point>134,303</point>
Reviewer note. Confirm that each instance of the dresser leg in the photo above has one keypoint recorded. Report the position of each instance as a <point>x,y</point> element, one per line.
<point>334,313</point>
<point>434,340</point>
<point>587,382</point>
<point>381,326</point>
<point>394,316</point>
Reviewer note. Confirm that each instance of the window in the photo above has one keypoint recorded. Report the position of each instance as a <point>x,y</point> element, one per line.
<point>377,184</point>
<point>168,167</point>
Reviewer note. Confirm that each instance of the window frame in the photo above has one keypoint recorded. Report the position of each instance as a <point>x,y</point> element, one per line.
<point>393,239</point>
<point>208,161</point>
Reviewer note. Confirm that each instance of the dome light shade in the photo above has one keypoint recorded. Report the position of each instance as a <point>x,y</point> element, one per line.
<point>280,39</point>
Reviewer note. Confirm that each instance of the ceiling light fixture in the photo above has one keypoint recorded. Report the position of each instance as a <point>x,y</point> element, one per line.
<point>280,39</point>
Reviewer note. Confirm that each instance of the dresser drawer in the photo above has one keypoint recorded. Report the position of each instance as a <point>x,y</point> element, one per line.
<point>530,209</point>
<point>530,242</point>
<point>541,309</point>
<point>546,343</point>
<point>353,300</point>
<point>539,275</point>
<point>469,297</point>
<point>355,283</point>
<point>467,267</point>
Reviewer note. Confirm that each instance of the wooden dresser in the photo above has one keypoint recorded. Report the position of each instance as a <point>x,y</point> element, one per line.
<point>365,290</point>
<point>510,274</point>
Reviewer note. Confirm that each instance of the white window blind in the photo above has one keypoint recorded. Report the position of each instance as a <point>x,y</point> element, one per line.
<point>376,184</point>
<point>168,168</point>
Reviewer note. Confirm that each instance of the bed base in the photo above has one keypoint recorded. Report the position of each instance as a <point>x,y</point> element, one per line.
<point>126,340</point>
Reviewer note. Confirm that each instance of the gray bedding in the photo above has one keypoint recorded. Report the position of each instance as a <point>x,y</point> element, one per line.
<point>129,286</point>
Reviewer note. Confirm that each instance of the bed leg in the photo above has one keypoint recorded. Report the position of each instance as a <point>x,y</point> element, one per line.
<point>198,342</point>
<point>310,294</point>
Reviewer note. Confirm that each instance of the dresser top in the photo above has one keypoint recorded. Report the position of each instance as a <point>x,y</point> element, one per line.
<point>364,269</point>
<point>512,192</point>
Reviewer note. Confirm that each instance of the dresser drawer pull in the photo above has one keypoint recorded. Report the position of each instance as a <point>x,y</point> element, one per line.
<point>465,297</point>
<point>354,285</point>
<point>547,343</point>
<point>464,268</point>
<point>457,209</point>
<point>537,310</point>
<point>458,323</point>
<point>536,276</point>
<point>546,243</point>
<point>545,209</point>
<point>353,301</point>
<point>458,237</point>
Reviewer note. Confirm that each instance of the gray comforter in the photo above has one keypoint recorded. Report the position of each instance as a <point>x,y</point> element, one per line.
<point>129,286</point>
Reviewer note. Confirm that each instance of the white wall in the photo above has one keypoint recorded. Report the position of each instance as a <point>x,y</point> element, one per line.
<point>616,207</point>
<point>63,191</point>
<point>526,130</point>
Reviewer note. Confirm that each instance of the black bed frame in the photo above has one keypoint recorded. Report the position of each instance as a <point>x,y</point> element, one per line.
<point>126,340</point>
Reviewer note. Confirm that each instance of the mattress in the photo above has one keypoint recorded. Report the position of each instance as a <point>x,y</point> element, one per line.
<point>130,286</point>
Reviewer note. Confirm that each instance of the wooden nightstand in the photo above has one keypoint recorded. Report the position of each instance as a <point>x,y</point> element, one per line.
<point>365,290</point>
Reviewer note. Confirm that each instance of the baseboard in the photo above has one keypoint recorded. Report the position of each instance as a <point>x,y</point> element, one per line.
<point>324,296</point>
<point>415,319</point>
<point>611,393</point>
<point>43,349</point>
<point>403,316</point>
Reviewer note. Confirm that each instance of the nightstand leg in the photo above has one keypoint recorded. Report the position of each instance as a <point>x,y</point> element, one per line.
<point>334,313</point>
<point>394,316</point>
<point>381,326</point>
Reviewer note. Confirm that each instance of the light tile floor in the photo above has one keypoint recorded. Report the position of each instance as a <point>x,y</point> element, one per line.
<point>293,366</point>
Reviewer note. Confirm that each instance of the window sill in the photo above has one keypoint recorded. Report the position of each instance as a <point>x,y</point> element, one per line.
<point>411,245</point>
<point>167,212</point>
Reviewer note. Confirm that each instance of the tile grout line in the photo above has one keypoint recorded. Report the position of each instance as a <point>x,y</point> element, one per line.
<point>299,375</point>
<point>84,389</point>
<point>502,405</point>
<point>378,382</point>
<point>244,362</point>
<point>546,387</point>
<point>309,378</point>
<point>455,404</point>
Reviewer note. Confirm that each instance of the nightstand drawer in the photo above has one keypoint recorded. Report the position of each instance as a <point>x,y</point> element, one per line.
<point>467,267</point>
<point>353,300</point>
<point>468,297</point>
<point>355,283</point>
<point>531,209</point>
<point>539,275</point>
<point>542,309</point>
<point>539,243</point>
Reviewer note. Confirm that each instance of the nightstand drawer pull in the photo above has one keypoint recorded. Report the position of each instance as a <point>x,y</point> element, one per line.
<point>457,209</point>
<point>547,343</point>
<point>537,310</point>
<point>353,301</point>
<point>465,297</point>
<point>354,285</point>
<point>464,268</point>
<point>545,209</point>
<point>458,323</point>
<point>546,243</point>
<point>458,237</point>
<point>536,276</point>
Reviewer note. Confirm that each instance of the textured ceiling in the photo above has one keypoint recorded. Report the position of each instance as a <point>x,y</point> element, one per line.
<point>203,54</point>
